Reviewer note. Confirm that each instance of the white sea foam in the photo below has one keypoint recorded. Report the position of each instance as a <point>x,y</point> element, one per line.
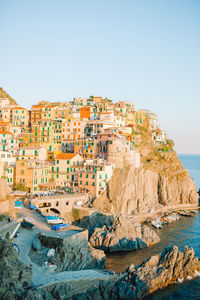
<point>196,274</point>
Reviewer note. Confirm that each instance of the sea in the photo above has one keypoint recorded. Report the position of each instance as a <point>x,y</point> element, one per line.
<point>185,231</point>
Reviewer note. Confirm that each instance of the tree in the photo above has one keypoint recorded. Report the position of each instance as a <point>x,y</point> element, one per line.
<point>75,214</point>
<point>20,187</point>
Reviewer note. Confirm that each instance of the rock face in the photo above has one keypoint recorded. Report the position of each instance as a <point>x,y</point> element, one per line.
<point>138,281</point>
<point>14,275</point>
<point>157,272</point>
<point>3,94</point>
<point>74,253</point>
<point>123,235</point>
<point>140,190</point>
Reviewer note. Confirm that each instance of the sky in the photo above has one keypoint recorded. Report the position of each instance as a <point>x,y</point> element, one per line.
<point>146,52</point>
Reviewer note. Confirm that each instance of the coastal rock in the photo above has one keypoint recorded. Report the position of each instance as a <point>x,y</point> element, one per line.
<point>14,275</point>
<point>140,190</point>
<point>123,235</point>
<point>157,272</point>
<point>74,253</point>
<point>136,282</point>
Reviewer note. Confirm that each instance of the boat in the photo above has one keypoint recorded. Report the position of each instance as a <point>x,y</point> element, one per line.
<point>51,252</point>
<point>54,220</point>
<point>60,226</point>
<point>157,224</point>
<point>18,204</point>
<point>27,225</point>
<point>33,207</point>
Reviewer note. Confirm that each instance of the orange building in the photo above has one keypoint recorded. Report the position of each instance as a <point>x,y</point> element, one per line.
<point>85,112</point>
<point>32,173</point>
<point>31,136</point>
<point>63,113</point>
<point>87,149</point>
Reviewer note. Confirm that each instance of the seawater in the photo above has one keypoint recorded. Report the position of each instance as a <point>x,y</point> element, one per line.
<point>185,231</point>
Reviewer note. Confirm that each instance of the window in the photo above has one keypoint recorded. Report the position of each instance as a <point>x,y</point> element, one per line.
<point>68,162</point>
<point>80,182</point>
<point>86,182</point>
<point>57,169</point>
<point>22,171</point>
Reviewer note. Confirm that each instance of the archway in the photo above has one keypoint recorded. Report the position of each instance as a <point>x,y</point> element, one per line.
<point>55,210</point>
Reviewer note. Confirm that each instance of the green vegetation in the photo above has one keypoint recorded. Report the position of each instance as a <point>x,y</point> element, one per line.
<point>75,214</point>
<point>135,132</point>
<point>142,128</point>
<point>2,217</point>
<point>165,149</point>
<point>170,142</point>
<point>20,187</point>
<point>109,100</point>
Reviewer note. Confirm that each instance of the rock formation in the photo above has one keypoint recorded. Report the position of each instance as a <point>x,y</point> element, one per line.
<point>74,253</point>
<point>123,235</point>
<point>136,282</point>
<point>157,272</point>
<point>161,180</point>
<point>3,94</point>
<point>14,275</point>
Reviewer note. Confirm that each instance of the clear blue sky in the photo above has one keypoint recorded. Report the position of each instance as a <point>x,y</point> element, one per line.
<point>147,52</point>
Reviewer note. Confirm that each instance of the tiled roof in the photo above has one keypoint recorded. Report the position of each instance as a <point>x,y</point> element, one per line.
<point>5,132</point>
<point>65,155</point>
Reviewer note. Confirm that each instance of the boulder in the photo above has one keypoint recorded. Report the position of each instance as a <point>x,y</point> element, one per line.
<point>157,272</point>
<point>14,275</point>
<point>125,234</point>
<point>162,181</point>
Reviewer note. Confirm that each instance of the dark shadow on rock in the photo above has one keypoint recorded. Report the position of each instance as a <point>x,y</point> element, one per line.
<point>95,220</point>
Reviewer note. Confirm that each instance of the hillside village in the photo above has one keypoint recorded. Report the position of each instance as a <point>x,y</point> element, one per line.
<point>72,146</point>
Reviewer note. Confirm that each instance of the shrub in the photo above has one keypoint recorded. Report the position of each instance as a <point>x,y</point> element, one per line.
<point>20,187</point>
<point>75,214</point>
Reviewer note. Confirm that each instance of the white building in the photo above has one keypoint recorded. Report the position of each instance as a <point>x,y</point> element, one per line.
<point>34,152</point>
<point>7,165</point>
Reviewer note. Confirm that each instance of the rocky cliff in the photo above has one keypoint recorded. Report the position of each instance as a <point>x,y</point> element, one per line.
<point>157,272</point>
<point>123,235</point>
<point>161,180</point>
<point>3,94</point>
<point>154,273</point>
<point>74,252</point>
<point>15,277</point>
